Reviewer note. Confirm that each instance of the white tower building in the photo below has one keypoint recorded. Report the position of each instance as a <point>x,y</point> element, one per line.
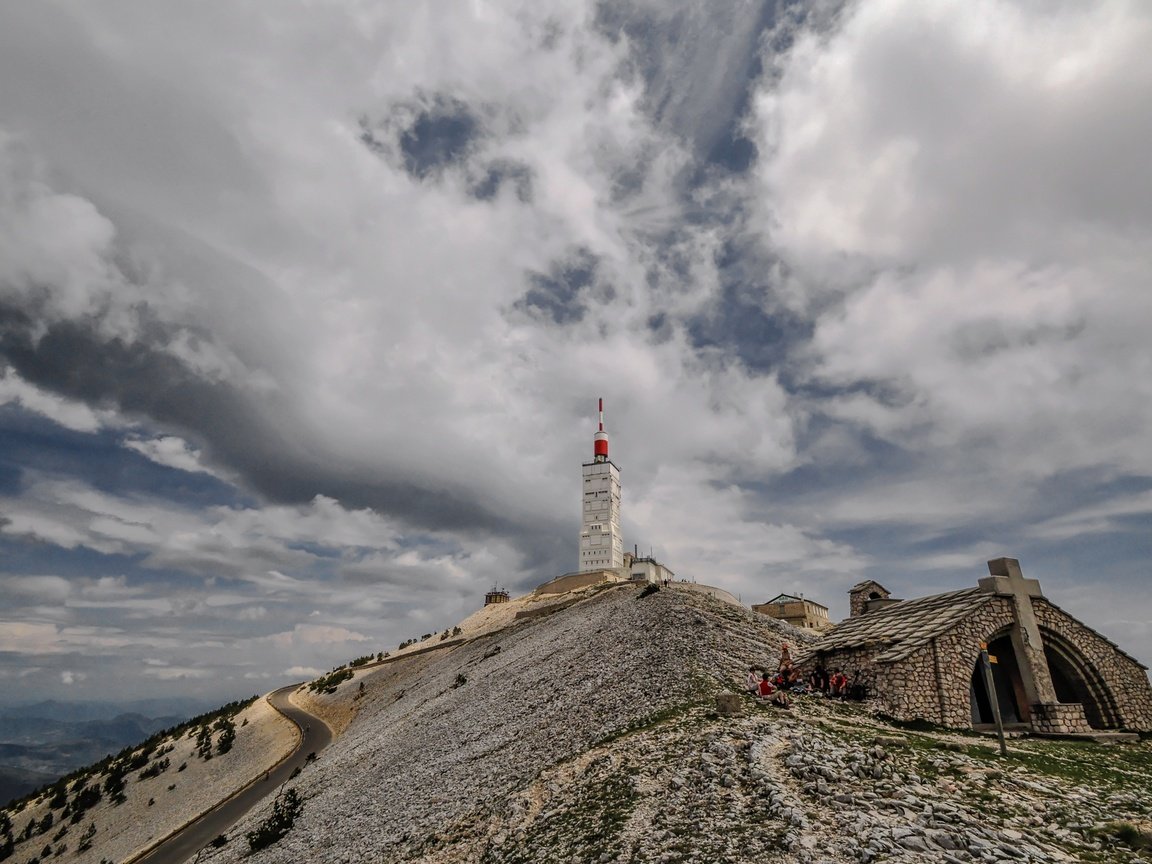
<point>601,541</point>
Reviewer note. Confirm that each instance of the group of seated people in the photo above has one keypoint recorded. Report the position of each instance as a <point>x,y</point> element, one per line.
<point>787,680</point>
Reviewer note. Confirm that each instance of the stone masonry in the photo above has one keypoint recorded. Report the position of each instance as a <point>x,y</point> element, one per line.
<point>916,660</point>
<point>861,593</point>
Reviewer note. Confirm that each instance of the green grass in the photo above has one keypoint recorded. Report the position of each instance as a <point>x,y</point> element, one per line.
<point>588,829</point>
<point>679,711</point>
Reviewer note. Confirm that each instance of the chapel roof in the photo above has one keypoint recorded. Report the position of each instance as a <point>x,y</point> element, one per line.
<point>904,626</point>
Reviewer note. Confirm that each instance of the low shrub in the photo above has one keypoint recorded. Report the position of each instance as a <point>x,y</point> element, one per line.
<point>287,806</point>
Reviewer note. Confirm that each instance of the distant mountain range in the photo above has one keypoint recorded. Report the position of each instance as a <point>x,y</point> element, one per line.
<point>77,712</point>
<point>45,740</point>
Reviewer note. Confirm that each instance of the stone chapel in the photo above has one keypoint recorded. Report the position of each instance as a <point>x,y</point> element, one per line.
<point>1053,674</point>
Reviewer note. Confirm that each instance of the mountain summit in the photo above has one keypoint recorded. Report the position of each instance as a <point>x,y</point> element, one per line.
<point>524,741</point>
<point>587,731</point>
<point>587,727</point>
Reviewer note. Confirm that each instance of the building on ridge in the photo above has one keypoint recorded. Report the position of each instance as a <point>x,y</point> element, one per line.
<point>920,659</point>
<point>646,569</point>
<point>601,540</point>
<point>797,611</point>
<point>496,595</point>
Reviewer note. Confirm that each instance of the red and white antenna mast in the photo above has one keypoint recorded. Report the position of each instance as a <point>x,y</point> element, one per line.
<point>600,441</point>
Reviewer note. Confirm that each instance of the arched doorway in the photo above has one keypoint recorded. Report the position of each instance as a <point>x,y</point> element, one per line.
<point>1074,678</point>
<point>1014,708</point>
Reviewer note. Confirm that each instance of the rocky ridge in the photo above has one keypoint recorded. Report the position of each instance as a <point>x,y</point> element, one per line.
<point>584,728</point>
<point>590,735</point>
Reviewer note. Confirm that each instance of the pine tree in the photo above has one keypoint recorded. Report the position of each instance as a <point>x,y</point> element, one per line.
<point>284,812</point>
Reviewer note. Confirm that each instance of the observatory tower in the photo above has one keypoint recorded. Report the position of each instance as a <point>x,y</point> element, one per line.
<point>601,543</point>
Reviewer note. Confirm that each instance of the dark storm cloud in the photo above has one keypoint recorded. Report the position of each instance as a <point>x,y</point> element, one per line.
<point>142,380</point>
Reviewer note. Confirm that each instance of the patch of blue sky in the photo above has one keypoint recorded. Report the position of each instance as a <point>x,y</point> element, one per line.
<point>34,557</point>
<point>442,134</point>
<point>323,550</point>
<point>1088,487</point>
<point>428,543</point>
<point>99,459</point>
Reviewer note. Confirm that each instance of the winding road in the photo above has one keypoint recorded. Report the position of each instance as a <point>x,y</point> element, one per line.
<point>186,842</point>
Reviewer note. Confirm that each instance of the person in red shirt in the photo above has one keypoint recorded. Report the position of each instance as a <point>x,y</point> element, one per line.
<point>838,688</point>
<point>766,688</point>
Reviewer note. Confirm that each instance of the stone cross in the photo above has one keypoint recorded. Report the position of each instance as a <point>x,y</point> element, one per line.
<point>1006,579</point>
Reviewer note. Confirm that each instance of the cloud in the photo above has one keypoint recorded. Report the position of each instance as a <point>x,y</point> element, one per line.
<point>1105,517</point>
<point>48,238</point>
<point>174,673</point>
<point>946,136</point>
<point>27,637</point>
<point>302,672</point>
<point>416,419</point>
<point>933,179</point>
<point>862,285</point>
<point>315,634</point>
<point>231,542</point>
<point>169,450</point>
<point>735,545</point>
<point>68,413</point>
<point>39,589</point>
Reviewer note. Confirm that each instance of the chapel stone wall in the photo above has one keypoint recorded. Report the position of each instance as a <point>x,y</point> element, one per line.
<point>958,650</point>
<point>912,686</point>
<point>933,682</point>
<point>860,594</point>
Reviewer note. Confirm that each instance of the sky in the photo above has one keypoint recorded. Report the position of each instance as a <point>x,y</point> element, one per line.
<point>305,310</point>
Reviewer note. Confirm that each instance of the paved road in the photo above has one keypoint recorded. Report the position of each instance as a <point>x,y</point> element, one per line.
<point>184,844</point>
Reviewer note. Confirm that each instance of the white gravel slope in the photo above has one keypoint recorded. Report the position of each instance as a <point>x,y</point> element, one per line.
<point>435,748</point>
